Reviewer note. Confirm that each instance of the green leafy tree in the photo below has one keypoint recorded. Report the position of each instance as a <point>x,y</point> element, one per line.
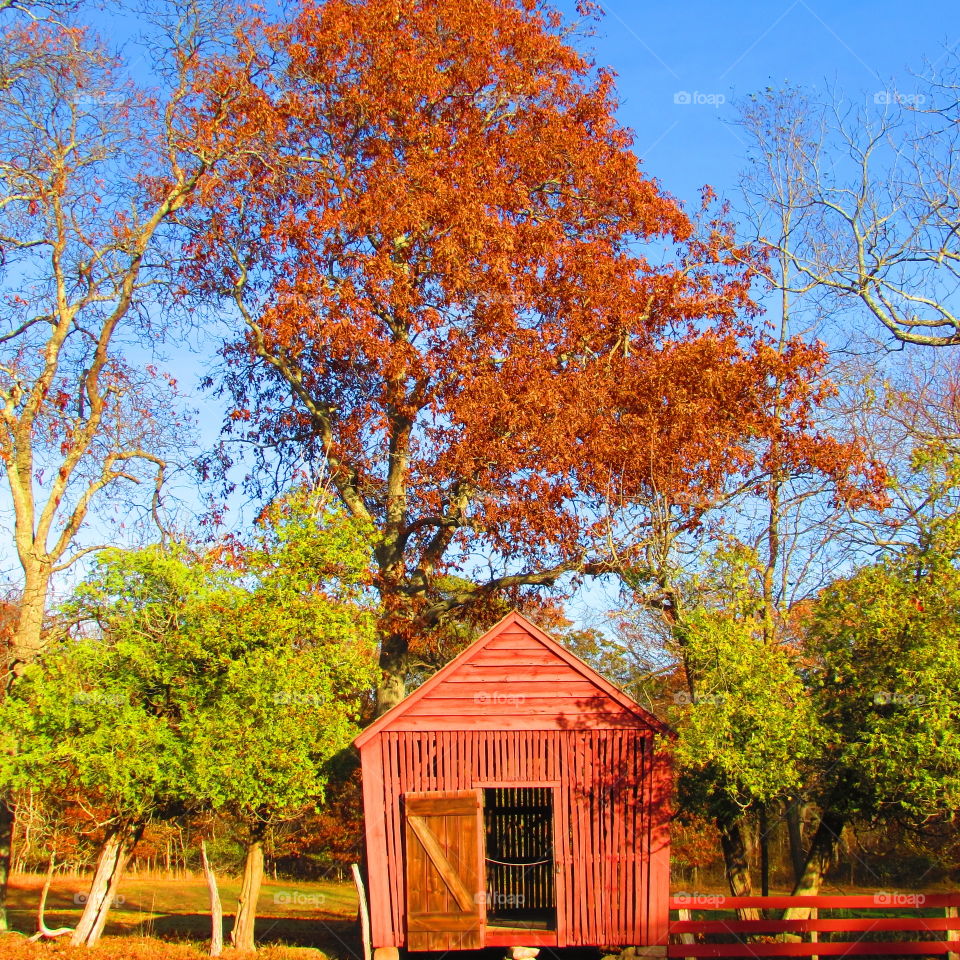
<point>92,721</point>
<point>886,644</point>
<point>222,679</point>
<point>750,726</point>
<point>748,732</point>
<point>285,709</point>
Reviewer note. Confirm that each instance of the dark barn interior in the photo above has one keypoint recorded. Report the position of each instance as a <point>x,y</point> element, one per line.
<point>518,824</point>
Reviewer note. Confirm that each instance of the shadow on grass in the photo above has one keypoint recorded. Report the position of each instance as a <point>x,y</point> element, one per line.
<point>335,936</point>
<point>318,916</point>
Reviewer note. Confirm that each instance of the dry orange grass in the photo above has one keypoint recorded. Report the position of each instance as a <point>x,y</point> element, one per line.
<point>156,919</point>
<point>15,947</point>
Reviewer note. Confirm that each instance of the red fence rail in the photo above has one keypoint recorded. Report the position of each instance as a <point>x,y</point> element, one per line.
<point>709,935</point>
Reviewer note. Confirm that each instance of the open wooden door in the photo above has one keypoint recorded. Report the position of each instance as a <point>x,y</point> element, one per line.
<point>446,886</point>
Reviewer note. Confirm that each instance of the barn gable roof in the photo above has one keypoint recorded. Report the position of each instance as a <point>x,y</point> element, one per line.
<point>589,696</point>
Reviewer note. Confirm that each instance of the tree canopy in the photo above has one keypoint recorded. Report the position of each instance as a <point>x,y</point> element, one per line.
<point>463,298</point>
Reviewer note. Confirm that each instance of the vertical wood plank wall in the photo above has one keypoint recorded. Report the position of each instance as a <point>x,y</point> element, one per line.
<point>612,830</point>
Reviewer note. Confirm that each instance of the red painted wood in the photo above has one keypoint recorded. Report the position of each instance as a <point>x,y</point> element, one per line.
<point>381,929</point>
<point>642,813</point>
<point>444,875</point>
<point>510,705</point>
<point>882,901</point>
<point>592,775</point>
<point>490,677</point>
<point>461,764</point>
<point>625,790</point>
<point>630,780</point>
<point>560,720</point>
<point>658,900</point>
<point>561,833</point>
<point>614,812</point>
<point>589,861</point>
<point>522,938</point>
<point>482,672</point>
<point>394,766</point>
<point>841,925</point>
<point>520,658</point>
<point>623,838</point>
<point>551,653</point>
<point>855,949</point>
<point>853,946</point>
<point>514,640</point>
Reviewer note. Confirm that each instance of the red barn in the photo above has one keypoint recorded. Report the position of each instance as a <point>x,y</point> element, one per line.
<point>516,798</point>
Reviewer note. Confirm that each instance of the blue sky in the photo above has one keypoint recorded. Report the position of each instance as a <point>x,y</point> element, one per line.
<point>717,52</point>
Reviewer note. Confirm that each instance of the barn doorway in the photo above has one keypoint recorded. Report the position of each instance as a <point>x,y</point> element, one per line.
<point>520,874</point>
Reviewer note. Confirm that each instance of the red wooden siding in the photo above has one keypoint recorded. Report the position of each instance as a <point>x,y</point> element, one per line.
<point>514,682</point>
<point>518,710</point>
<point>611,819</point>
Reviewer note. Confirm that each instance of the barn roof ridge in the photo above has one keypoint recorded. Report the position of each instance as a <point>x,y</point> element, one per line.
<point>513,617</point>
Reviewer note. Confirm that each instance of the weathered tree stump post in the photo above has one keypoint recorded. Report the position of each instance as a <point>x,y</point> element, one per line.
<point>364,911</point>
<point>216,907</point>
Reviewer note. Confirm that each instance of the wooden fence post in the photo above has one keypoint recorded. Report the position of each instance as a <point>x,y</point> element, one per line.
<point>686,937</point>
<point>949,913</point>
<point>814,935</point>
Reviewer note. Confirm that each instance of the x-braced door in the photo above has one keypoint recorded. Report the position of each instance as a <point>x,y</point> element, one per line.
<point>445,870</point>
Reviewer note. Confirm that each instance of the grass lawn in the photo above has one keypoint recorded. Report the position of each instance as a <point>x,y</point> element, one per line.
<point>321,916</point>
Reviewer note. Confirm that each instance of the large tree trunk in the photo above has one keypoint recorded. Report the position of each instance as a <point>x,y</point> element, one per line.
<point>115,853</point>
<point>823,850</point>
<point>764,830</point>
<point>7,819</point>
<point>393,664</point>
<point>26,644</point>
<point>736,861</point>
<point>242,935</point>
<point>27,639</point>
<point>216,909</point>
<point>795,831</point>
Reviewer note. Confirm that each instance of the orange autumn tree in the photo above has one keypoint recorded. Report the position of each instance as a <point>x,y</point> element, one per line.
<point>463,299</point>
